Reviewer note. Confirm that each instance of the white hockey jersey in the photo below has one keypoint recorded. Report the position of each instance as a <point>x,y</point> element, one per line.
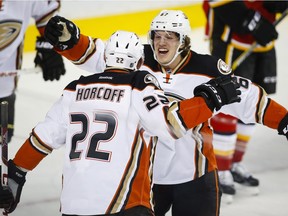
<point>105,122</point>
<point>14,20</point>
<point>191,156</point>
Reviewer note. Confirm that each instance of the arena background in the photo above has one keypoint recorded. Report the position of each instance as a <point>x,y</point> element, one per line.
<point>102,18</point>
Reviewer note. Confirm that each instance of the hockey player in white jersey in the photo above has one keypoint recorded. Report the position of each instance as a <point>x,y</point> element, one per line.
<point>105,121</point>
<point>15,17</point>
<point>185,171</point>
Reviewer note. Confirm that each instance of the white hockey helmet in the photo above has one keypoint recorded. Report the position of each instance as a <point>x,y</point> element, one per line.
<point>124,50</point>
<point>171,21</point>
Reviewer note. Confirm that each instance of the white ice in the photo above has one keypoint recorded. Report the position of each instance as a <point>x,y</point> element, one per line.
<point>266,157</point>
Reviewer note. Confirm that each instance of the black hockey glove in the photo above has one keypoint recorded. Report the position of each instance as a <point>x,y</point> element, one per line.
<point>6,196</point>
<point>49,60</point>
<point>61,33</point>
<point>219,91</point>
<point>283,127</point>
<point>276,6</point>
<point>262,30</point>
<point>16,180</point>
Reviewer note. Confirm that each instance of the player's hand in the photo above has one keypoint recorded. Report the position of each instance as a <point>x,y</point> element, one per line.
<point>262,30</point>
<point>61,33</point>
<point>219,91</point>
<point>49,60</point>
<point>283,127</point>
<point>6,196</point>
<point>16,180</point>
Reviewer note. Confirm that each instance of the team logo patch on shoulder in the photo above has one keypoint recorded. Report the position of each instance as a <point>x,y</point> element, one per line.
<point>223,67</point>
<point>149,78</point>
<point>9,31</point>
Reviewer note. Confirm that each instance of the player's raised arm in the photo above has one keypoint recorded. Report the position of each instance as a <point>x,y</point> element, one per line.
<point>257,107</point>
<point>80,49</point>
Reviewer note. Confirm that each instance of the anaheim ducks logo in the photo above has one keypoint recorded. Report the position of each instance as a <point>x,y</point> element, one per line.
<point>9,31</point>
<point>223,67</point>
<point>149,78</point>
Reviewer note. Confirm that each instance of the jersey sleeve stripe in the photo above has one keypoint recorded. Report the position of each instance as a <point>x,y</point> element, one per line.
<point>274,113</point>
<point>42,148</point>
<point>260,106</point>
<point>175,125</point>
<point>88,53</point>
<point>28,157</point>
<point>81,51</point>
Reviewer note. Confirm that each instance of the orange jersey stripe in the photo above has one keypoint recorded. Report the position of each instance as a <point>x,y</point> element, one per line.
<point>194,111</point>
<point>140,194</point>
<point>274,114</point>
<point>78,50</point>
<point>27,156</point>
<point>208,150</point>
<point>135,186</point>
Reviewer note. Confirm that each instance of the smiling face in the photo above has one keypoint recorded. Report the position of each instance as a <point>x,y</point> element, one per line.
<point>166,45</point>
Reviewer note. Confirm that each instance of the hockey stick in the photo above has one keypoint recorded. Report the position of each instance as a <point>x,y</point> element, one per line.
<point>29,71</point>
<point>4,146</point>
<point>245,54</point>
<point>20,72</point>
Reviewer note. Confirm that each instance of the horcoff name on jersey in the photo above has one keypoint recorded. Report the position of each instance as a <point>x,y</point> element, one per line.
<point>100,93</point>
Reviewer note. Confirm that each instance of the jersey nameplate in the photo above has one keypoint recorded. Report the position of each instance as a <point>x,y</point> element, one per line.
<point>100,93</point>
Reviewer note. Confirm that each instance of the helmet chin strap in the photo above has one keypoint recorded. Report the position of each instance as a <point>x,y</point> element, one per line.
<point>175,56</point>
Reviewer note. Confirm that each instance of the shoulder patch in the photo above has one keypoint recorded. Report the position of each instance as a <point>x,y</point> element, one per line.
<point>223,68</point>
<point>149,78</point>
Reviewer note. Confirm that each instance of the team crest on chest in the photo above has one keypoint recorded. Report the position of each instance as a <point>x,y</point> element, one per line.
<point>223,67</point>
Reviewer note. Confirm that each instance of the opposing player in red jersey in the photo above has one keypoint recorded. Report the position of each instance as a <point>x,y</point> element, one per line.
<point>232,27</point>
<point>185,171</point>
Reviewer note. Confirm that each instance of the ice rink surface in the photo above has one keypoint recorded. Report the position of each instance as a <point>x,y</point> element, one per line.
<point>267,155</point>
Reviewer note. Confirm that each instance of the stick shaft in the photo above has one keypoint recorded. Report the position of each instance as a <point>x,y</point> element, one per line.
<point>19,72</point>
<point>4,144</point>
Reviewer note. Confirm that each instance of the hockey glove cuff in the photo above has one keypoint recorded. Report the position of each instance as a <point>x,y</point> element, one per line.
<point>219,91</point>
<point>61,33</point>
<point>283,127</point>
